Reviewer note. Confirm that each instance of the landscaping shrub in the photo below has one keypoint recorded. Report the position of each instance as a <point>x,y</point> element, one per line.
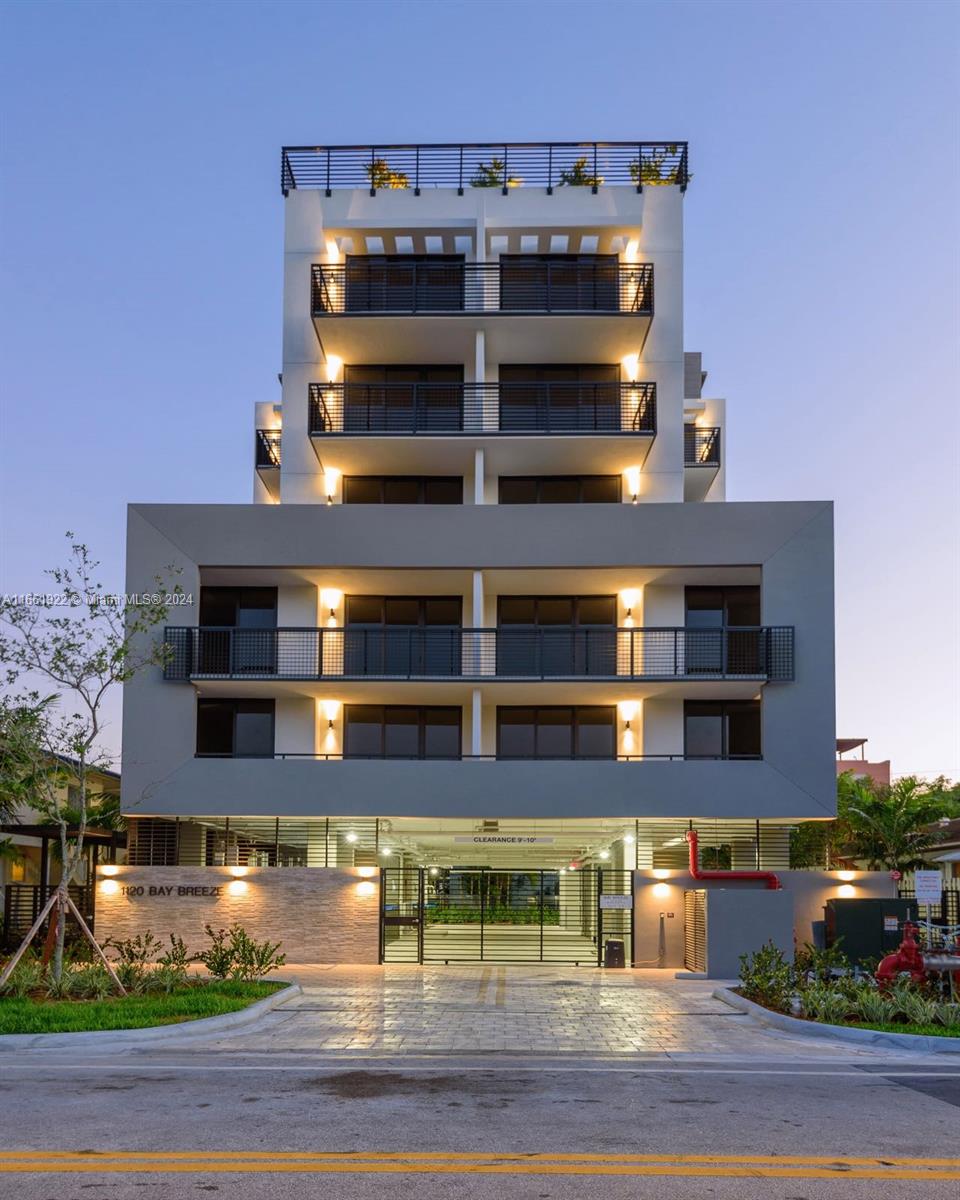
<point>90,981</point>
<point>767,978</point>
<point>27,977</point>
<point>948,1015</point>
<point>233,954</point>
<point>873,1007</point>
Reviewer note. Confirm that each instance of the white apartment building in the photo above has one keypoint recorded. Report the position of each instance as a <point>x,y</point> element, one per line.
<point>489,641</point>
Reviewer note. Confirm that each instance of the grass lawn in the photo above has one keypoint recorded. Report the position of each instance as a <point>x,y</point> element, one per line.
<point>130,1012</point>
<point>898,1027</point>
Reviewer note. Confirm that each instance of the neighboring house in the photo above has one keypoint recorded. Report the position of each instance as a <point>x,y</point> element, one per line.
<point>490,632</point>
<point>877,772</point>
<point>946,854</point>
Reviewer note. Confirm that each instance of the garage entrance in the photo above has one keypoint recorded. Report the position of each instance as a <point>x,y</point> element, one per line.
<point>505,915</point>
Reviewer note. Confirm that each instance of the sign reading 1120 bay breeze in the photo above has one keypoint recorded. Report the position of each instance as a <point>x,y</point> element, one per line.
<point>164,891</point>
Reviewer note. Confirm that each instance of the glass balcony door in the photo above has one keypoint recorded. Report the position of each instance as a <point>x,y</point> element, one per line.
<point>556,636</point>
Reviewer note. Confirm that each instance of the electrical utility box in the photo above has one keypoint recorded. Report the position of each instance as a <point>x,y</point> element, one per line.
<point>867,928</point>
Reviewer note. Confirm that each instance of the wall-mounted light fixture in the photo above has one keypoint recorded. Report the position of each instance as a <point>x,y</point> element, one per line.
<point>108,868</point>
<point>366,872</point>
<point>631,366</point>
<point>237,887</point>
<point>333,365</point>
<point>238,872</point>
<point>660,873</point>
<point>366,889</point>
<point>350,837</point>
<point>630,597</point>
<point>631,250</point>
<point>330,710</point>
<point>109,887</point>
<point>330,599</point>
<point>847,890</point>
<point>628,839</point>
<point>628,710</point>
<point>331,477</point>
<point>847,876</point>
<point>604,854</point>
<point>333,251</point>
<point>632,476</point>
<point>661,889</point>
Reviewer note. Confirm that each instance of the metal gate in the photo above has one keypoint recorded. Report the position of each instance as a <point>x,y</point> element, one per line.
<point>448,915</point>
<point>695,930</point>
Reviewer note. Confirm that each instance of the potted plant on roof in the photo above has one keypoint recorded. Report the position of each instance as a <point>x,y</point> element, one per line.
<point>491,174</point>
<point>578,176</point>
<point>382,175</point>
<point>660,166</point>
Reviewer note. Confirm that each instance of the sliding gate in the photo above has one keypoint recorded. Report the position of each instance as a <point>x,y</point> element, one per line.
<point>447,915</point>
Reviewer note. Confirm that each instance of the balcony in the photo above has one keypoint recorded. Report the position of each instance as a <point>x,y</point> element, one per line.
<point>359,308</point>
<point>447,288</point>
<point>267,459</point>
<point>762,653</point>
<point>502,166</point>
<point>701,460</point>
<point>482,409</point>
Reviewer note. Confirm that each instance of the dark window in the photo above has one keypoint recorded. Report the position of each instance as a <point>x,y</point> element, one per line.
<point>722,729</point>
<point>556,635</point>
<point>402,489</point>
<point>235,728</point>
<point>556,731</point>
<point>404,282</point>
<point>559,282</point>
<point>710,607</point>
<point>399,399</point>
<point>560,397</point>
<point>403,635</point>
<point>400,731</point>
<point>710,612</point>
<point>239,607</point>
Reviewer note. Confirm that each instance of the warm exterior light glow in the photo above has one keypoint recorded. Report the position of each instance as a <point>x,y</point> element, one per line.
<point>628,839</point>
<point>846,876</point>
<point>847,890</point>
<point>563,870</point>
<point>330,710</point>
<point>236,872</point>
<point>631,250</point>
<point>333,251</point>
<point>366,872</point>
<point>108,869</point>
<point>366,889</point>
<point>628,710</point>
<point>661,889</point>
<point>434,870</point>
<point>631,366</point>
<point>331,477</point>
<point>350,837</point>
<point>604,853</point>
<point>660,873</point>
<point>109,887</point>
<point>330,598</point>
<point>333,367</point>
<point>632,476</point>
<point>630,596</point>
<point>385,850</point>
<point>237,887</point>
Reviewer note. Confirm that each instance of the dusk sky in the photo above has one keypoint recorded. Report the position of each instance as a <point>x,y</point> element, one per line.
<point>142,224</point>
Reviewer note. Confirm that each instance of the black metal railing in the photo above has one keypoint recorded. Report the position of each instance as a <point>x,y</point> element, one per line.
<point>701,447</point>
<point>501,165</point>
<point>482,408</point>
<point>325,756</point>
<point>365,289</point>
<point>268,448</point>
<point>23,903</point>
<point>437,652</point>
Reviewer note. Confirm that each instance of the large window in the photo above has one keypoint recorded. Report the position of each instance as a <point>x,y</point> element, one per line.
<point>556,635</point>
<point>559,282</point>
<point>399,731</point>
<point>400,399</point>
<point>560,489</point>
<point>239,607</point>
<point>722,729</point>
<point>557,731</point>
<point>404,282</point>
<point>722,637</point>
<point>560,396</point>
<point>403,635</point>
<point>237,634</point>
<point>235,728</point>
<point>403,489</point>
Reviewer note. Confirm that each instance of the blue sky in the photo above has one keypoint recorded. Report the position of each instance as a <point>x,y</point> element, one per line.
<point>141,258</point>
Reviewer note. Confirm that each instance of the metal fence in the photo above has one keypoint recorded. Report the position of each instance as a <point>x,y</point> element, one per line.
<point>701,447</point>
<point>365,288</point>
<point>482,408</point>
<point>418,652</point>
<point>268,448</point>
<point>500,165</point>
<point>945,913</point>
<point>23,902</point>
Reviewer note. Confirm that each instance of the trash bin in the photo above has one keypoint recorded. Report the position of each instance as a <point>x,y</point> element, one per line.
<point>613,953</point>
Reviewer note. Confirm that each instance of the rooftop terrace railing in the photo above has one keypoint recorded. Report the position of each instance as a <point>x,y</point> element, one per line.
<point>701,447</point>
<point>443,288</point>
<point>500,165</point>
<point>452,652</point>
<point>268,448</point>
<point>449,409</point>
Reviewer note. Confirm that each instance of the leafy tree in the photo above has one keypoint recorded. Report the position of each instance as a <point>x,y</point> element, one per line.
<point>382,175</point>
<point>488,175</point>
<point>658,167</point>
<point>77,642</point>
<point>578,176</point>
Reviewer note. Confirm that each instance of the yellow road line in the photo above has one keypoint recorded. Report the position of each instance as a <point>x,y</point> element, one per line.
<point>479,1156</point>
<point>87,1167</point>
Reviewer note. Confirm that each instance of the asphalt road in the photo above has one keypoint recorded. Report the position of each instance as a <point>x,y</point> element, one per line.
<point>263,1124</point>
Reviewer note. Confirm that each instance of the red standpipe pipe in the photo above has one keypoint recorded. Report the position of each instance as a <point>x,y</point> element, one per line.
<point>773,881</point>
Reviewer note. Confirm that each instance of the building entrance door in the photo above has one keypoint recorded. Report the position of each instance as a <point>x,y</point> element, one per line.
<point>485,914</point>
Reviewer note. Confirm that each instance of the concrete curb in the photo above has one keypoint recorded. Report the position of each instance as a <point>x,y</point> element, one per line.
<point>842,1033</point>
<point>113,1038</point>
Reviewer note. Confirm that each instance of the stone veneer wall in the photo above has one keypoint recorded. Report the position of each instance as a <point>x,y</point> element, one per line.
<point>315,912</point>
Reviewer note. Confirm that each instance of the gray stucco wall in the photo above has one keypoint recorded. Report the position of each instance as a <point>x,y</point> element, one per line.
<point>791,542</point>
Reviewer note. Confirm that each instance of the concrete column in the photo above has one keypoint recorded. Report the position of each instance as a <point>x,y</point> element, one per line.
<point>479,476</point>
<point>480,360</point>
<point>476,731</point>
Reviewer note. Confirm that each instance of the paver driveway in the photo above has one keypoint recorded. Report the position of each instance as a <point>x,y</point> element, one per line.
<point>541,1010</point>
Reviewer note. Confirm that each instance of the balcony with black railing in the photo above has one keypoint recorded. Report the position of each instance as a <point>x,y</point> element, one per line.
<point>761,653</point>
<point>482,409</point>
<point>267,459</point>
<point>501,166</point>
<point>365,287</point>
<point>701,446</point>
